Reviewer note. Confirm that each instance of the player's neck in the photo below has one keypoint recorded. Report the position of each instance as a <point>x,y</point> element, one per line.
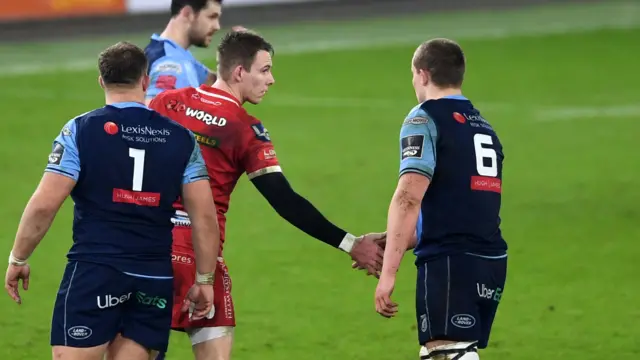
<point>434,93</point>
<point>226,87</point>
<point>176,33</point>
<point>114,97</point>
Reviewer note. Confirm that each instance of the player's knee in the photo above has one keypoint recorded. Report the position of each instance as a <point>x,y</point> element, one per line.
<point>212,343</point>
<point>457,351</point>
<point>70,353</point>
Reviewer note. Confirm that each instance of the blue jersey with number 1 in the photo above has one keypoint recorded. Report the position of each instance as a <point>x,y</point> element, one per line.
<point>448,141</point>
<point>129,164</point>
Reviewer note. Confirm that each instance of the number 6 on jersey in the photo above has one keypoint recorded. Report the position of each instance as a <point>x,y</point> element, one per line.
<point>483,153</point>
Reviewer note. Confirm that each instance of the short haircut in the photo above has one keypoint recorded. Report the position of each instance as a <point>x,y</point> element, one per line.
<point>122,64</point>
<point>240,48</point>
<point>443,59</point>
<point>197,5</point>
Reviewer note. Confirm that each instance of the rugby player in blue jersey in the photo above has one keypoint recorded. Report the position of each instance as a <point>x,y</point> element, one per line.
<point>447,208</point>
<point>124,166</point>
<point>171,64</point>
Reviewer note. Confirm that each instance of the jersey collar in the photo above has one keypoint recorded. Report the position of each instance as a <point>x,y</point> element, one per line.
<point>455,97</point>
<point>218,94</point>
<point>173,44</point>
<point>128,104</point>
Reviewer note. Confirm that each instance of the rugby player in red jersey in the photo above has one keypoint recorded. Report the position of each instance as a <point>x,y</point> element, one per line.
<point>233,143</point>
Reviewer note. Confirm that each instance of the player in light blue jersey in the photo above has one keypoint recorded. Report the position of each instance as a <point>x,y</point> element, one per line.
<point>124,165</point>
<point>171,64</point>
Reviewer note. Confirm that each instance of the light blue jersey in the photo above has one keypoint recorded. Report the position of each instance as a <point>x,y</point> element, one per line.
<point>172,67</point>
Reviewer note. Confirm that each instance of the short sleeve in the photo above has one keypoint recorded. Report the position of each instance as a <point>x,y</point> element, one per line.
<point>259,155</point>
<point>64,158</point>
<point>418,137</point>
<point>196,168</point>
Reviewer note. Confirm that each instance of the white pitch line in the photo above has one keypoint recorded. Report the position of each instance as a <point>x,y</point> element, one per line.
<point>573,113</point>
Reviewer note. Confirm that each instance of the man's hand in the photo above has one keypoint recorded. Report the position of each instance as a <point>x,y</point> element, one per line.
<point>199,302</point>
<point>12,280</point>
<point>367,253</point>
<point>384,305</point>
<point>378,238</point>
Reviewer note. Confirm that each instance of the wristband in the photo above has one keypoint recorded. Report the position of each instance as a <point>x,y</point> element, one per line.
<point>204,279</point>
<point>348,243</point>
<point>15,261</point>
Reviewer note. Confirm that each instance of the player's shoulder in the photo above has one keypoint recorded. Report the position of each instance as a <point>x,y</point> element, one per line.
<point>173,94</point>
<point>255,128</point>
<point>173,127</point>
<point>223,104</point>
<point>90,115</point>
<point>248,119</point>
<point>416,116</point>
<point>157,52</point>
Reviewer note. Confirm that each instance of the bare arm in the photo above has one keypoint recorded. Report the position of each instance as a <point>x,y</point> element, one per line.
<point>198,201</point>
<point>403,216</point>
<point>40,212</point>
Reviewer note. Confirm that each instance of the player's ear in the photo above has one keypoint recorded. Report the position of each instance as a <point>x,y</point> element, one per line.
<point>238,73</point>
<point>101,82</point>
<point>188,13</point>
<point>424,77</point>
<point>145,82</point>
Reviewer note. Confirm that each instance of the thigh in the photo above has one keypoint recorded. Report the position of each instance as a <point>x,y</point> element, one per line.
<point>125,349</point>
<point>184,274</point>
<point>75,353</point>
<point>147,318</point>
<point>89,305</point>
<point>446,304</point>
<point>224,315</point>
<point>490,282</point>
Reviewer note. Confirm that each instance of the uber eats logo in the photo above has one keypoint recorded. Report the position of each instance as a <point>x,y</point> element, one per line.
<point>158,302</point>
<point>109,300</point>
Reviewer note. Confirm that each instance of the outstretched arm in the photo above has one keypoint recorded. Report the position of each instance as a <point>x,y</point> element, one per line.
<point>299,212</point>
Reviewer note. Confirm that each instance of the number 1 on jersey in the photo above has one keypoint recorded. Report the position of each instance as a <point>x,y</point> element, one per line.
<point>138,168</point>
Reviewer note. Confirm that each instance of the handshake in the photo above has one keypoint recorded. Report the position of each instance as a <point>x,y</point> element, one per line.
<point>368,253</point>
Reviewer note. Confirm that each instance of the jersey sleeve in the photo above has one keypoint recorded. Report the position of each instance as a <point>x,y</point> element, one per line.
<point>418,137</point>
<point>203,72</point>
<point>196,168</point>
<point>64,158</point>
<point>166,74</point>
<point>258,156</point>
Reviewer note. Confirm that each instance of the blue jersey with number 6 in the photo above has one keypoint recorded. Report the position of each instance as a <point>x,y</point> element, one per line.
<point>129,164</point>
<point>448,141</point>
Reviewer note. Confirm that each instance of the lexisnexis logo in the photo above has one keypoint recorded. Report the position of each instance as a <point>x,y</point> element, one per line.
<point>144,130</point>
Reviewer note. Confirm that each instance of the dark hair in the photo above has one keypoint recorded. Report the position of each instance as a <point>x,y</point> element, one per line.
<point>122,64</point>
<point>443,59</point>
<point>240,48</point>
<point>197,5</point>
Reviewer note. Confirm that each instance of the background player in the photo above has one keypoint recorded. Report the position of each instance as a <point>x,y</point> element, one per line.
<point>171,64</point>
<point>234,142</point>
<point>448,147</point>
<point>119,277</point>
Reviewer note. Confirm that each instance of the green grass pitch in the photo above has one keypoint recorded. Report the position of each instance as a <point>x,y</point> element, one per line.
<point>563,97</point>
